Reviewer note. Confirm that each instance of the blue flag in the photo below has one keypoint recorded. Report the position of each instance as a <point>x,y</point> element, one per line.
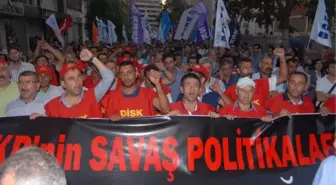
<point>164,28</point>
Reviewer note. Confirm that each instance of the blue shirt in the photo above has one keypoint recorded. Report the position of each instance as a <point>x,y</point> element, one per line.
<point>176,86</point>
<point>210,98</point>
<point>233,80</point>
<point>326,174</point>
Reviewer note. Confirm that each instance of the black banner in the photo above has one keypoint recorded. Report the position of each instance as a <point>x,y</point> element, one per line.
<point>178,150</point>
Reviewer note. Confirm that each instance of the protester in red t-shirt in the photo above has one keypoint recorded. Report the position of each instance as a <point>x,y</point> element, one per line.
<point>189,105</point>
<point>262,86</point>
<point>77,102</point>
<point>292,101</point>
<point>244,107</point>
<point>132,100</point>
<point>329,106</point>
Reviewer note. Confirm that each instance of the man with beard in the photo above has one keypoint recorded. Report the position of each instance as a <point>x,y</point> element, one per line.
<point>77,102</point>
<point>292,101</point>
<point>8,89</point>
<point>244,107</point>
<point>27,103</point>
<point>189,105</point>
<point>16,65</point>
<point>262,86</point>
<point>132,100</point>
<point>47,91</point>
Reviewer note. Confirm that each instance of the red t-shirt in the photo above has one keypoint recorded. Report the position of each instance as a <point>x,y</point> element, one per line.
<point>257,111</point>
<point>54,79</point>
<point>261,92</point>
<point>282,101</point>
<point>202,108</point>
<point>331,104</point>
<point>89,82</point>
<point>138,104</point>
<point>86,108</point>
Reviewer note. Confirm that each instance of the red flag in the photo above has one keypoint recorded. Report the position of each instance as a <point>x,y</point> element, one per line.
<point>65,25</point>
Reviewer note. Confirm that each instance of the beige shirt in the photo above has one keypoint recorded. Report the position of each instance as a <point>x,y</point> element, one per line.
<point>7,95</point>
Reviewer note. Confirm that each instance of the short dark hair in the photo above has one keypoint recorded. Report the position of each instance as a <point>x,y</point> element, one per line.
<point>225,62</point>
<point>330,62</point>
<point>40,56</point>
<point>190,76</point>
<point>127,63</point>
<point>16,47</point>
<point>168,55</point>
<point>242,60</point>
<point>126,53</point>
<point>149,68</point>
<point>190,58</point>
<point>100,54</point>
<point>292,60</point>
<point>299,73</point>
<point>29,73</point>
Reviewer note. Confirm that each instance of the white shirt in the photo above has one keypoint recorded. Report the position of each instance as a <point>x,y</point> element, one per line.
<point>324,85</point>
<point>19,108</point>
<point>24,67</point>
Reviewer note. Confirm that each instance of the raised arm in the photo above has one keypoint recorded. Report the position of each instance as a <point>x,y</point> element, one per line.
<point>107,76</point>
<point>283,73</point>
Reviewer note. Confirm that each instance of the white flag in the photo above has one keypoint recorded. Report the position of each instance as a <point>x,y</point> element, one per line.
<point>124,34</point>
<point>51,21</point>
<point>320,31</point>
<point>146,29</point>
<point>112,36</point>
<point>222,30</point>
<point>187,24</point>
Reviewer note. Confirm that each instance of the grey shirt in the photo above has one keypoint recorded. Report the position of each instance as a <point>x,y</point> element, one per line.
<point>24,67</point>
<point>19,108</point>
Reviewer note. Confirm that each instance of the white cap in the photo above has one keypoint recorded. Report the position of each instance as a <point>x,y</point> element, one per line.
<point>246,81</point>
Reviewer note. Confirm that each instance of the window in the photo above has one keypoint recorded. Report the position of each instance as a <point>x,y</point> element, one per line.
<point>75,5</point>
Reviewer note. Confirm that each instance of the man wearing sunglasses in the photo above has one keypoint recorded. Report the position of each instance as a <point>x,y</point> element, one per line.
<point>28,102</point>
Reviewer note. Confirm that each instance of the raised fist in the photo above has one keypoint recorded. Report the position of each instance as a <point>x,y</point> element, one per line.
<point>85,55</point>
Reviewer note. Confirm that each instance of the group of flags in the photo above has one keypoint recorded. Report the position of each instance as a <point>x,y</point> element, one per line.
<point>193,23</point>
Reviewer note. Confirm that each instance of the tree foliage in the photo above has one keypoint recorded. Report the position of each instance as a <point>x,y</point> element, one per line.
<point>175,8</point>
<point>106,10</point>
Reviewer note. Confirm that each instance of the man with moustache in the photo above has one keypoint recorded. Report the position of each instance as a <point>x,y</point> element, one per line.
<point>8,89</point>
<point>262,86</point>
<point>27,103</point>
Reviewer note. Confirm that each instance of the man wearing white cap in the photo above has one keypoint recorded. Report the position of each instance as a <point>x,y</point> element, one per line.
<point>244,107</point>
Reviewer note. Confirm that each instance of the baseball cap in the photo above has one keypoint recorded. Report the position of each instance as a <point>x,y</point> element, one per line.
<point>201,69</point>
<point>3,61</point>
<point>68,67</point>
<point>127,49</point>
<point>122,59</point>
<point>246,81</point>
<point>44,70</point>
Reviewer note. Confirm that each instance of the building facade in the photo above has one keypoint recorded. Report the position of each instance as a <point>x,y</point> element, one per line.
<point>153,8</point>
<point>21,20</point>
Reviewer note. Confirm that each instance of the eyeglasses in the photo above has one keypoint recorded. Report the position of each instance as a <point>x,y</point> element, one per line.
<point>26,82</point>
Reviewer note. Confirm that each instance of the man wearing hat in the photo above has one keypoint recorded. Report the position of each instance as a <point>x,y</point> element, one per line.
<point>8,89</point>
<point>325,175</point>
<point>76,102</point>
<point>244,107</point>
<point>47,91</point>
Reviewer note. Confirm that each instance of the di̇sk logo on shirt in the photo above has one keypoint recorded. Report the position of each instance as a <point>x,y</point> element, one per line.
<point>131,113</point>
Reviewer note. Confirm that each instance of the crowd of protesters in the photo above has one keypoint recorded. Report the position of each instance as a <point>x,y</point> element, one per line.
<point>125,81</point>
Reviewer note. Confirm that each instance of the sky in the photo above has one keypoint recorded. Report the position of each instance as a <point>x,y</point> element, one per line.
<point>163,1</point>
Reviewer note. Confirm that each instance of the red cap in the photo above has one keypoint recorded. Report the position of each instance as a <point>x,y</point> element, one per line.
<point>141,66</point>
<point>201,69</point>
<point>122,59</point>
<point>127,49</point>
<point>83,65</point>
<point>44,70</point>
<point>331,54</point>
<point>68,67</point>
<point>3,61</point>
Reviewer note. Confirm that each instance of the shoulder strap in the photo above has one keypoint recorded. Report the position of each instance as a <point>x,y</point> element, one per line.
<point>330,90</point>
